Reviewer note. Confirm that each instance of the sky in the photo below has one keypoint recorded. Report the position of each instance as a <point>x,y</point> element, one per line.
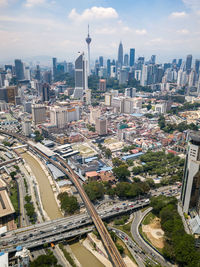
<point>40,29</point>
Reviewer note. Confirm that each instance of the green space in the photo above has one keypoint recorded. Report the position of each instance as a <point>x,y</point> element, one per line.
<point>168,166</point>
<point>148,218</point>
<point>179,246</point>
<point>69,204</point>
<point>14,196</point>
<point>126,228</point>
<point>170,128</point>
<point>186,106</point>
<point>94,190</point>
<point>38,136</point>
<point>122,220</point>
<point>30,209</point>
<point>45,260</point>
<point>67,255</point>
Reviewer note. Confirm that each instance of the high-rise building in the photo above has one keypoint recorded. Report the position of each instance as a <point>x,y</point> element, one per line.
<point>120,55</point>
<point>101,126</point>
<point>101,61</point>
<point>190,194</point>
<point>123,76</point>
<point>126,60</point>
<point>81,78</point>
<point>188,64</point>
<point>144,75</point>
<point>180,62</point>
<point>19,69</point>
<point>102,85</point>
<point>197,65</point>
<point>108,68</point>
<point>88,95</point>
<point>47,77</point>
<point>54,67</point>
<point>37,73</point>
<point>130,92</point>
<point>132,57</point>
<point>88,41</point>
<point>153,59</point>
<point>26,128</point>
<point>27,74</point>
<point>45,92</point>
<point>38,113</point>
<point>12,92</point>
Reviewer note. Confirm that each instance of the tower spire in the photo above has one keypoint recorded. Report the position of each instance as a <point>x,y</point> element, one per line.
<point>88,41</point>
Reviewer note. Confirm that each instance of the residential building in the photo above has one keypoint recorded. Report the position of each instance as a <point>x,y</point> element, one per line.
<point>26,128</point>
<point>38,113</point>
<point>102,85</point>
<point>101,126</point>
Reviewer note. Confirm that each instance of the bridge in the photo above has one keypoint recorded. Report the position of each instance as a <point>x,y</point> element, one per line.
<point>9,162</point>
<point>111,249</point>
<point>21,146</point>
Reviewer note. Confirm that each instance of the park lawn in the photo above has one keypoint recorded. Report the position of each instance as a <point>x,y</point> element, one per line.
<point>148,218</point>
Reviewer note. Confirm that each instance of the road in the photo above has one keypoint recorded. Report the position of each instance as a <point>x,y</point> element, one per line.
<point>145,247</point>
<point>113,252</point>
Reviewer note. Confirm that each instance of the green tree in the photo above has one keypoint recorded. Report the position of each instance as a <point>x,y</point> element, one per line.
<point>121,172</point>
<point>108,153</point>
<point>94,190</point>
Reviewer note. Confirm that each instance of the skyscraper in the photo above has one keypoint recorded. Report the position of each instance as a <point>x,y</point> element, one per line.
<point>54,67</point>
<point>88,41</point>
<point>190,194</point>
<point>101,61</point>
<point>37,73</point>
<point>126,60</point>
<point>197,65</point>
<point>188,63</point>
<point>153,59</point>
<point>45,92</point>
<point>120,55</point>
<point>19,69</point>
<point>132,57</point>
<point>108,67</point>
<point>81,77</point>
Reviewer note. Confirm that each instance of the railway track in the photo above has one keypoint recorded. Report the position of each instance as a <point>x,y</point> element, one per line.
<point>113,252</point>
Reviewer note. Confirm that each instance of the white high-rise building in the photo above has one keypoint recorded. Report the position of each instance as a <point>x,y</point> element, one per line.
<point>144,76</point>
<point>38,113</point>
<point>138,75</point>
<point>88,94</point>
<point>81,77</point>
<point>26,128</point>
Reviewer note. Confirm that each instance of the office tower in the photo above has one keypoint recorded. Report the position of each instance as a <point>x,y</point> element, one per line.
<point>197,65</point>
<point>38,113</point>
<point>47,77</point>
<point>126,60</point>
<point>81,78</point>
<point>153,59</point>
<point>132,57</point>
<point>88,95</point>
<point>123,77</point>
<point>12,92</point>
<point>174,61</point>
<point>19,69</point>
<point>26,128</point>
<point>9,67</point>
<point>130,92</point>
<point>70,68</point>
<point>102,72</point>
<point>144,76</point>
<point>101,61</point>
<point>120,55</point>
<point>37,73</point>
<point>45,92</point>
<point>27,74</point>
<point>179,62</point>
<point>60,69</point>
<point>190,194</point>
<point>113,71</point>
<point>54,67</point>
<point>108,68</point>
<point>191,80</point>
<point>138,75</point>
<point>101,126</point>
<point>188,63</point>
<point>102,85</point>
<point>88,41</point>
<point>3,95</point>
<point>140,63</point>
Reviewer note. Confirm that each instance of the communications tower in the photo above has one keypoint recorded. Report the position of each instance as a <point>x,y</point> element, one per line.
<point>88,41</point>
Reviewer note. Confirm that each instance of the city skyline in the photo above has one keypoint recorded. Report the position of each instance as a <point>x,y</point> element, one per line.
<point>40,29</point>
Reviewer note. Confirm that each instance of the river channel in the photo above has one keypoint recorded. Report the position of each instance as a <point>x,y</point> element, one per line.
<point>46,192</point>
<point>85,257</point>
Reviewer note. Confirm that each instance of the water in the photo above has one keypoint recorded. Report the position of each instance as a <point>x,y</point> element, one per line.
<point>84,256</point>
<point>46,192</point>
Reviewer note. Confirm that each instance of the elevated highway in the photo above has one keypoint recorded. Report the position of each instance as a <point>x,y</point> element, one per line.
<point>113,252</point>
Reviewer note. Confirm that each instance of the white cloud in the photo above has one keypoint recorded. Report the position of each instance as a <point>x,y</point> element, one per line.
<point>32,3</point>
<point>177,15</point>
<point>94,13</point>
<point>183,31</point>
<point>141,32</point>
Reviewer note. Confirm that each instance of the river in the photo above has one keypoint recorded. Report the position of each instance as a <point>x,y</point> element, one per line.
<point>84,256</point>
<point>46,192</point>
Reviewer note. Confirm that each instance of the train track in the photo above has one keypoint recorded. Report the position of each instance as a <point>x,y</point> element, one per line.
<point>113,252</point>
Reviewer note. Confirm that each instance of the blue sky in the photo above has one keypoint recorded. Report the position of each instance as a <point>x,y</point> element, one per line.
<point>31,28</point>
